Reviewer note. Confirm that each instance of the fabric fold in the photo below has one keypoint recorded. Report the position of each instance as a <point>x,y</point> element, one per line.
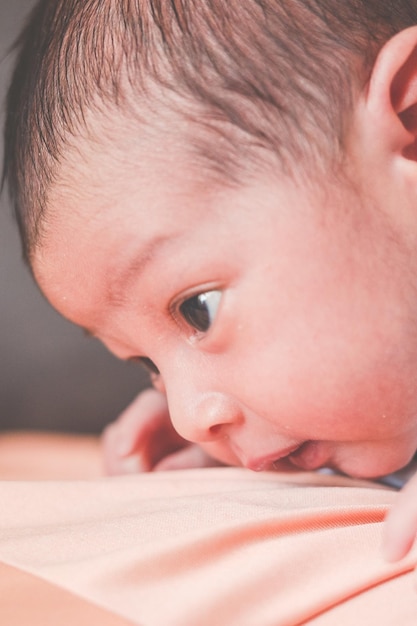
<point>213,546</point>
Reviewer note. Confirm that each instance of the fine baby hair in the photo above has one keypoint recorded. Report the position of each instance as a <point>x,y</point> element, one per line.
<point>252,78</point>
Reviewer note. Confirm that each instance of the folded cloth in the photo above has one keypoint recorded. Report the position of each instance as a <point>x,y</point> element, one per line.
<point>210,547</point>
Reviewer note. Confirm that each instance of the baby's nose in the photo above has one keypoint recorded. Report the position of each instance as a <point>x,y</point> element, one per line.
<point>206,417</point>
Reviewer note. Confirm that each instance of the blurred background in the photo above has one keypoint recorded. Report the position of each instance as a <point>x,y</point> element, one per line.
<point>51,376</point>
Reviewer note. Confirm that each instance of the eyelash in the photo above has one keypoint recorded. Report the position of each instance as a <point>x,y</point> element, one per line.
<point>147,364</point>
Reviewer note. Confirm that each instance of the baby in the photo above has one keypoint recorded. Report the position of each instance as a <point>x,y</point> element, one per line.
<point>226,191</point>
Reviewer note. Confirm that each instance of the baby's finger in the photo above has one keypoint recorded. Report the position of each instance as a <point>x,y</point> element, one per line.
<point>145,415</point>
<point>113,463</point>
<point>401,523</point>
<point>141,437</point>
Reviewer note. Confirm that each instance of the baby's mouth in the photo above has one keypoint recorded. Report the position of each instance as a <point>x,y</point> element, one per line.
<point>306,455</point>
<point>309,456</point>
<point>276,460</point>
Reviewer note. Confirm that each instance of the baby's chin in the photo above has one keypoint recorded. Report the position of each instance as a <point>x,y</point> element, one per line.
<point>311,457</point>
<point>373,471</point>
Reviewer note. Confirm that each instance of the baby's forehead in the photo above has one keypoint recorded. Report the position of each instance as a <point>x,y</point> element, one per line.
<point>119,151</point>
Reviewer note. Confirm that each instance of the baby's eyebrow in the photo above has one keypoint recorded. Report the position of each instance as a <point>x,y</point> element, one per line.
<point>120,281</point>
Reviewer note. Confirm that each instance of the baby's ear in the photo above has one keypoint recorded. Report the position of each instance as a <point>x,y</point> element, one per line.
<point>391,97</point>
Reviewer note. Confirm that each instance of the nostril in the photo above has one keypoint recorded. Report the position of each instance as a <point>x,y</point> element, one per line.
<point>215,430</point>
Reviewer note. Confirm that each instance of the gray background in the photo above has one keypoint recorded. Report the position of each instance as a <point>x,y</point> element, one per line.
<point>51,376</point>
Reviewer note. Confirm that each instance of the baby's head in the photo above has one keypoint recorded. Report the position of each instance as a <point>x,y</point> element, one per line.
<point>228,189</point>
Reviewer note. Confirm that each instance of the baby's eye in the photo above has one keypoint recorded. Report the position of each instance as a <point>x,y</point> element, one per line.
<point>200,310</point>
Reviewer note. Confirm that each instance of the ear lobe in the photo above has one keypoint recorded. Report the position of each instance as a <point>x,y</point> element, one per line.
<point>392,92</point>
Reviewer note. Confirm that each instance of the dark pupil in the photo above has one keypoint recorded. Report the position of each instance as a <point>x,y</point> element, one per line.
<point>196,313</point>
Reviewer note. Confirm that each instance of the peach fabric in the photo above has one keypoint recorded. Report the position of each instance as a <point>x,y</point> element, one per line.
<point>23,599</point>
<point>207,547</point>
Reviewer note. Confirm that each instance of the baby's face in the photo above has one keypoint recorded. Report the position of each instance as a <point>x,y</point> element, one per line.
<point>281,320</point>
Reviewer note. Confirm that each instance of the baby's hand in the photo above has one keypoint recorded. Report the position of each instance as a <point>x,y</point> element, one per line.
<point>401,523</point>
<point>143,439</point>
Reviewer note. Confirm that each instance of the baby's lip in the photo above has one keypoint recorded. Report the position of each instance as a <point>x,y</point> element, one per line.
<point>266,462</point>
<point>310,456</point>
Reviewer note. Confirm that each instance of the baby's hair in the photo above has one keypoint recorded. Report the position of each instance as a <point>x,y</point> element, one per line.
<point>274,75</point>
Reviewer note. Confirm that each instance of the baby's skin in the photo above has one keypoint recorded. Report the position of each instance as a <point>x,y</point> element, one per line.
<point>143,439</point>
<point>280,312</point>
